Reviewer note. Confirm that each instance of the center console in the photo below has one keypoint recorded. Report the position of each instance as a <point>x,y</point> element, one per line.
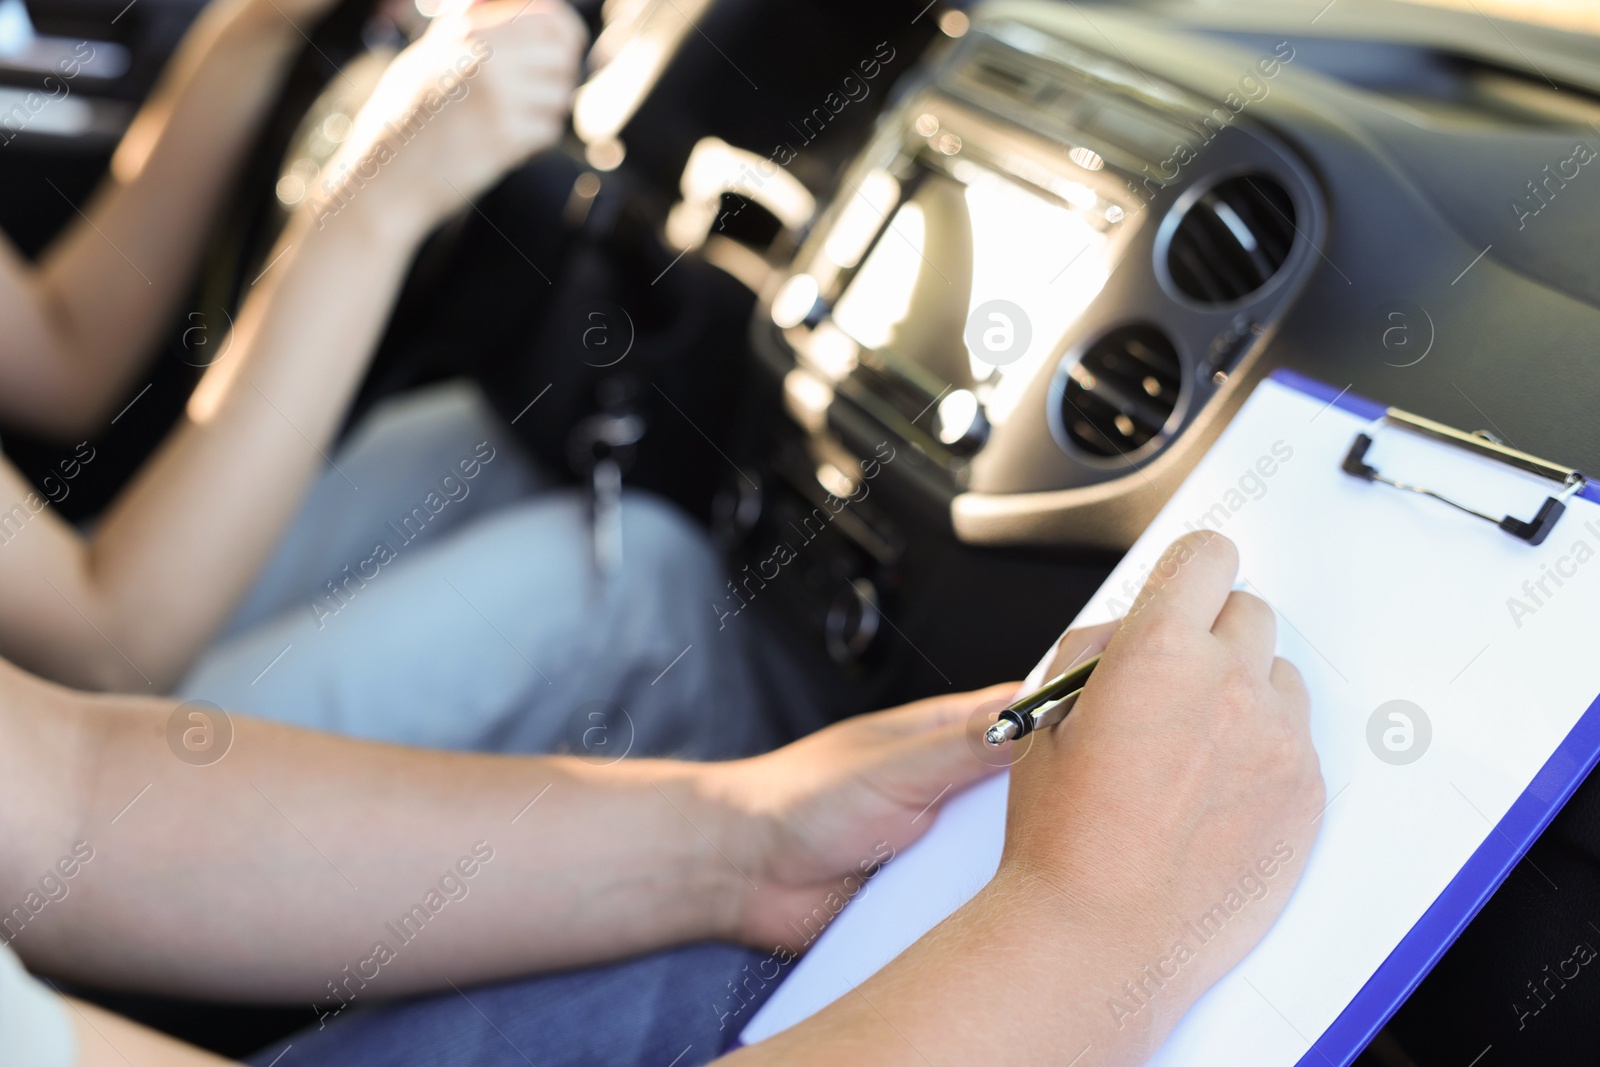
<point>1040,276</point>
<point>1026,309</point>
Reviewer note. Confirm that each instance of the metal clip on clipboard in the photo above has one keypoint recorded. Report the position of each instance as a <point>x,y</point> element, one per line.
<point>1533,530</point>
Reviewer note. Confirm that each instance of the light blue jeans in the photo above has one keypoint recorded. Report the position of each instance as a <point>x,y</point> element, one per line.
<point>433,591</point>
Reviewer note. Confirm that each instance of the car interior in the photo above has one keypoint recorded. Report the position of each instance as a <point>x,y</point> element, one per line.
<point>732,283</point>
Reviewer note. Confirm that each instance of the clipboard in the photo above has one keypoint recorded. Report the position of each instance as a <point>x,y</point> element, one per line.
<point>1388,586</point>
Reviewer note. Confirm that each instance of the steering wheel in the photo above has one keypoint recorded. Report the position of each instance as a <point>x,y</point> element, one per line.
<point>555,288</point>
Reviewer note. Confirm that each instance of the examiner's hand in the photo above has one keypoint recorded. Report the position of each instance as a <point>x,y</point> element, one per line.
<point>474,96</point>
<point>1167,819</point>
<point>831,807</point>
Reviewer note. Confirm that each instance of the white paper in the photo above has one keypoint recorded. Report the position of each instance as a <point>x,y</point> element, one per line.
<point>1380,595</point>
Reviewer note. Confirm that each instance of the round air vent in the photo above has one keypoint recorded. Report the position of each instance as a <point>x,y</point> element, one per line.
<point>1120,393</point>
<point>1232,240</point>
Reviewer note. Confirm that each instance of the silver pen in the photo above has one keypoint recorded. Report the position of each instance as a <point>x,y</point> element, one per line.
<point>1045,706</point>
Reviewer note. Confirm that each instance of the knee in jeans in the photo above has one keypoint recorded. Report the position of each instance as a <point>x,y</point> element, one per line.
<point>661,543</point>
<point>449,413</point>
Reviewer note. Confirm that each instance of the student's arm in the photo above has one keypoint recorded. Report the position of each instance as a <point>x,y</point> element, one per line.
<point>80,321</point>
<point>1184,780</point>
<point>129,607</point>
<point>267,874</point>
<point>109,1040</point>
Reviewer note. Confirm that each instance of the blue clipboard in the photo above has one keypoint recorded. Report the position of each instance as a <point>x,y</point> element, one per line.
<point>1415,552</point>
<point>1421,949</point>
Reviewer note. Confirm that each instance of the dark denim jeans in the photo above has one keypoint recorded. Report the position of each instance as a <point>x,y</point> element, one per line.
<point>677,1008</point>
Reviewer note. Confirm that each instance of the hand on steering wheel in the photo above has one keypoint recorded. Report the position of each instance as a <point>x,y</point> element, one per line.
<point>476,95</point>
<point>303,15</point>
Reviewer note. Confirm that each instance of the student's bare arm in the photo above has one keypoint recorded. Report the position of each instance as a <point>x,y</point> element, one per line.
<point>129,606</point>
<point>80,322</point>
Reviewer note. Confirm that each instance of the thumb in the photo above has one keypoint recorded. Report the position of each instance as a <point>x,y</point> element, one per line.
<point>941,762</point>
<point>931,713</point>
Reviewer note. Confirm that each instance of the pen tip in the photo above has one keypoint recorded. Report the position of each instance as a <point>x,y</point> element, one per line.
<point>1000,732</point>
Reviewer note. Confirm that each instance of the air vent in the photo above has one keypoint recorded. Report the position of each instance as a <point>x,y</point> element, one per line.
<point>1121,392</point>
<point>1232,240</point>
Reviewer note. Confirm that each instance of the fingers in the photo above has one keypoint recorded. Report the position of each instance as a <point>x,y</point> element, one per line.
<point>1078,645</point>
<point>556,16</point>
<point>935,712</point>
<point>1249,624</point>
<point>1191,582</point>
<point>1285,678</point>
<point>923,746</point>
<point>561,14</point>
<point>544,96</point>
<point>943,757</point>
<point>529,10</point>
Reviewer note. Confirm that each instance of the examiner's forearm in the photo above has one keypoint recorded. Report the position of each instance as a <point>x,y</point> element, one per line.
<point>265,875</point>
<point>1012,977</point>
<point>80,323</point>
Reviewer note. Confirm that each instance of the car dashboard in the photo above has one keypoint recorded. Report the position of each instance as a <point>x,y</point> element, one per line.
<point>1145,221</point>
